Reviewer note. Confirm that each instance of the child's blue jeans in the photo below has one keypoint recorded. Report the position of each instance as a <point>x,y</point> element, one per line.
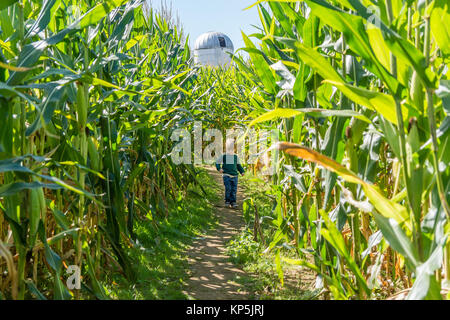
<point>230,188</point>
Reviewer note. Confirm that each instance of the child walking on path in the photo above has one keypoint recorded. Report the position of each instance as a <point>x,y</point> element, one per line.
<point>229,165</point>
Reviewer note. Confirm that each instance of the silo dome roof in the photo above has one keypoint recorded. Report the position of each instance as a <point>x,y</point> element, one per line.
<point>211,40</point>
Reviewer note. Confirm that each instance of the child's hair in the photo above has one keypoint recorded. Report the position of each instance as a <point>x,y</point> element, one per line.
<point>229,146</point>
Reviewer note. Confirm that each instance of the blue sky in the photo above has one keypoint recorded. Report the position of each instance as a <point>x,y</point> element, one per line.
<point>227,16</point>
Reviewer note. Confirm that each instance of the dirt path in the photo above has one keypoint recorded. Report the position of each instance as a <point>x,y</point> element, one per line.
<point>212,275</point>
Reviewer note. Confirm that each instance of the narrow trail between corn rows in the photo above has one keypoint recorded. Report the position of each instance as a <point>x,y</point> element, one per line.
<point>212,274</point>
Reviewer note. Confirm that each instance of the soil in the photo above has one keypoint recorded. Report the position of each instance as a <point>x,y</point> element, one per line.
<point>212,274</point>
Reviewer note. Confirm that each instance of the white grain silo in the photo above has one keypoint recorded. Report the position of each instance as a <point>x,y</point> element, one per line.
<point>212,48</point>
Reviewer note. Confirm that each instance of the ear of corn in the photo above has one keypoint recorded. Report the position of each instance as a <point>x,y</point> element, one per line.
<point>35,214</point>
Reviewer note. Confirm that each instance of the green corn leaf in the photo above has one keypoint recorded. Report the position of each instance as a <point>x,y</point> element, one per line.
<point>334,237</point>
<point>60,290</point>
<point>309,265</point>
<point>53,259</point>
<point>289,113</point>
<point>60,218</point>
<point>32,52</point>
<point>279,267</point>
<point>44,17</point>
<point>16,187</point>
<point>4,88</point>
<point>50,102</point>
<point>274,114</point>
<point>63,235</point>
<point>6,3</point>
<point>97,13</point>
<point>14,165</point>
<point>261,67</point>
<point>373,241</point>
<point>440,24</point>
<point>397,238</point>
<point>281,16</point>
<point>390,134</point>
<point>380,48</point>
<point>96,285</point>
<point>425,276</point>
<point>400,47</point>
<point>34,290</point>
<point>380,102</point>
<point>356,36</point>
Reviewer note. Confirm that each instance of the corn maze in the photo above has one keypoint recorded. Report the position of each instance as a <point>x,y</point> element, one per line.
<point>91,91</point>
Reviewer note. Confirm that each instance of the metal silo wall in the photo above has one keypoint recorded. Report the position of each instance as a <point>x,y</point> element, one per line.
<point>212,57</point>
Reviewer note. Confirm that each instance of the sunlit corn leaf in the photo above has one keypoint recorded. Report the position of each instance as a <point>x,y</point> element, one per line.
<point>385,206</point>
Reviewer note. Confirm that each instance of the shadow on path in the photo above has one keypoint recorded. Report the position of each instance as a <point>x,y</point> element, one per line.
<point>212,274</point>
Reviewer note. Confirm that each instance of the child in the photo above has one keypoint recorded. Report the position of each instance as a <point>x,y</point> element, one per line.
<point>229,165</point>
